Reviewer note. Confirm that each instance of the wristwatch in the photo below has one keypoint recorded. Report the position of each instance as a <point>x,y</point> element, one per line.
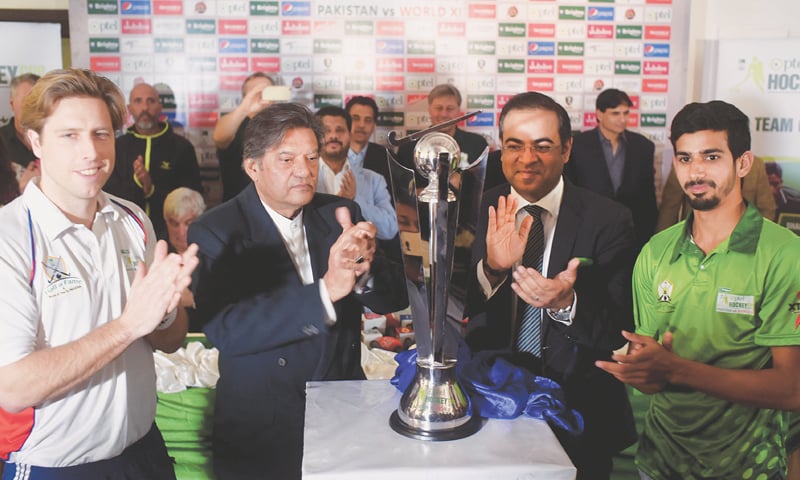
<point>562,314</point>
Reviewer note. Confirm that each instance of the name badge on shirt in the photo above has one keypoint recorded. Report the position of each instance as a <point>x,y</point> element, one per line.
<point>128,260</point>
<point>730,303</point>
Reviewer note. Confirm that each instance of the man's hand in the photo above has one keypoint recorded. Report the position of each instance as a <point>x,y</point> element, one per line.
<point>504,243</point>
<point>157,290</point>
<point>351,255</point>
<point>142,175</point>
<point>648,364</point>
<point>540,291</point>
<point>252,102</point>
<point>348,186</point>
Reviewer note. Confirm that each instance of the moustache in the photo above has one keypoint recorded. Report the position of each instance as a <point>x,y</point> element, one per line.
<point>334,141</point>
<point>692,183</point>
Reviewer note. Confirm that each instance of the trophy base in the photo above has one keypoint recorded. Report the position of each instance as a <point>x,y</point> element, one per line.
<point>462,431</point>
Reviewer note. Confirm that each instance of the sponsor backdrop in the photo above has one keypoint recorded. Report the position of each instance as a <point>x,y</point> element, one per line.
<point>762,77</point>
<point>396,51</point>
<point>37,49</point>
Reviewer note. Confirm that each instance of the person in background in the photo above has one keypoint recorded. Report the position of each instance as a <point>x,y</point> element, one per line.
<point>675,204</point>
<point>88,293</point>
<point>338,177</point>
<point>444,104</point>
<point>182,207</point>
<point>716,308</point>
<point>550,317</point>
<point>787,200</point>
<point>229,134</point>
<point>152,160</point>
<point>363,113</point>
<point>12,132</point>
<point>616,162</point>
<point>9,188</point>
<point>23,161</point>
<point>277,294</point>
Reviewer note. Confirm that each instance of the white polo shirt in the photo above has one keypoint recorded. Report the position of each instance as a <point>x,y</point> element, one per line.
<point>80,281</point>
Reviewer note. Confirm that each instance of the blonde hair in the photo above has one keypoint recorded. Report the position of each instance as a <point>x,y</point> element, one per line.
<point>57,85</point>
<point>181,201</point>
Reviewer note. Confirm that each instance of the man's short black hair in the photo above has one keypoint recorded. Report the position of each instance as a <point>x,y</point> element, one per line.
<point>333,111</point>
<point>612,98</point>
<point>717,116</point>
<point>362,100</point>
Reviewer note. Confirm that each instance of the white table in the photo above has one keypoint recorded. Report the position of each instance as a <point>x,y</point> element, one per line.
<point>348,437</point>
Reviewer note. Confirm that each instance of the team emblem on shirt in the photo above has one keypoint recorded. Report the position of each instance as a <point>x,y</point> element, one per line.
<point>665,291</point>
<point>59,280</point>
<point>795,308</point>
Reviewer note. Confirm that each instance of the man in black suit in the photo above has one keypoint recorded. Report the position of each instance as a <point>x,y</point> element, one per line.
<point>364,114</point>
<point>617,163</point>
<point>444,104</point>
<point>277,292</point>
<point>581,313</point>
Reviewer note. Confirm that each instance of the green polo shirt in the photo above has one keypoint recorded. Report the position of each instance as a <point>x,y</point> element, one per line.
<point>725,309</point>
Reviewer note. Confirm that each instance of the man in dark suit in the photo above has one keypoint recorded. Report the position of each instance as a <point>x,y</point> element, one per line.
<point>276,291</point>
<point>364,114</point>
<point>444,104</point>
<point>617,163</point>
<point>581,313</point>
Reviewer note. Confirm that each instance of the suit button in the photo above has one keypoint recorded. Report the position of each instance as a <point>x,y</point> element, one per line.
<point>281,362</point>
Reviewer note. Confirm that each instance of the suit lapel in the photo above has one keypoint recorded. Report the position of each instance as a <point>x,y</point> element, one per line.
<point>264,232</point>
<point>567,229</point>
<point>317,233</point>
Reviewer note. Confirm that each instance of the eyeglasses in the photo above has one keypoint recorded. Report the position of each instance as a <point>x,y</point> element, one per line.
<point>540,149</point>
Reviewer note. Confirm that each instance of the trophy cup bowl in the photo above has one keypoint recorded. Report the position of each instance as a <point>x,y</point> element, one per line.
<point>434,406</point>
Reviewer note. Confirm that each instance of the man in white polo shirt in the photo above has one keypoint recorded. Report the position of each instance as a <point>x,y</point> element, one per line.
<point>81,310</point>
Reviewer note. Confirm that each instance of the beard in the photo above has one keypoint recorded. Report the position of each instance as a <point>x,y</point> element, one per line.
<point>145,122</point>
<point>708,201</point>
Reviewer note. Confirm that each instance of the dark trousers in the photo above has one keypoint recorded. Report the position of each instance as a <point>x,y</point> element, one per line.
<point>147,459</point>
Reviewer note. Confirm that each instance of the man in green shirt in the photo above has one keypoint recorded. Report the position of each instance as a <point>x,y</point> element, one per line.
<point>717,313</point>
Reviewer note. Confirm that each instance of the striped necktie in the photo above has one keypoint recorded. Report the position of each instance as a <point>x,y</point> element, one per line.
<point>530,317</point>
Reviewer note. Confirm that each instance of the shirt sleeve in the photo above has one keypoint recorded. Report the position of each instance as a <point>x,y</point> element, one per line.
<point>20,319</point>
<point>779,312</point>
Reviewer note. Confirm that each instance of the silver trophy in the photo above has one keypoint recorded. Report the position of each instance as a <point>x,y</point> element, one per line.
<point>437,228</point>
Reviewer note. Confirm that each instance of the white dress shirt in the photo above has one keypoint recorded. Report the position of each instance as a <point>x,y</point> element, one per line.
<point>294,238</point>
<point>551,205</point>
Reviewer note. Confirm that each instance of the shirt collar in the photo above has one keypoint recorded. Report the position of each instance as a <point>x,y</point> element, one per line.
<point>356,160</point>
<point>550,202</point>
<point>283,224</point>
<point>328,171</point>
<point>623,138</point>
<point>49,217</point>
<point>133,132</point>
<point>743,239</point>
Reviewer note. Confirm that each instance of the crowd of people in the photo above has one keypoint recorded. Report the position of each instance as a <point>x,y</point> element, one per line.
<point>107,252</point>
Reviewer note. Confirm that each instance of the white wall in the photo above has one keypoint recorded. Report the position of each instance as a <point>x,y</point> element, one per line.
<point>725,19</point>
<point>35,4</point>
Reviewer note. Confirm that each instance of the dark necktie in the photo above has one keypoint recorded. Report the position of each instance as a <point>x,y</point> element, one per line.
<point>530,317</point>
